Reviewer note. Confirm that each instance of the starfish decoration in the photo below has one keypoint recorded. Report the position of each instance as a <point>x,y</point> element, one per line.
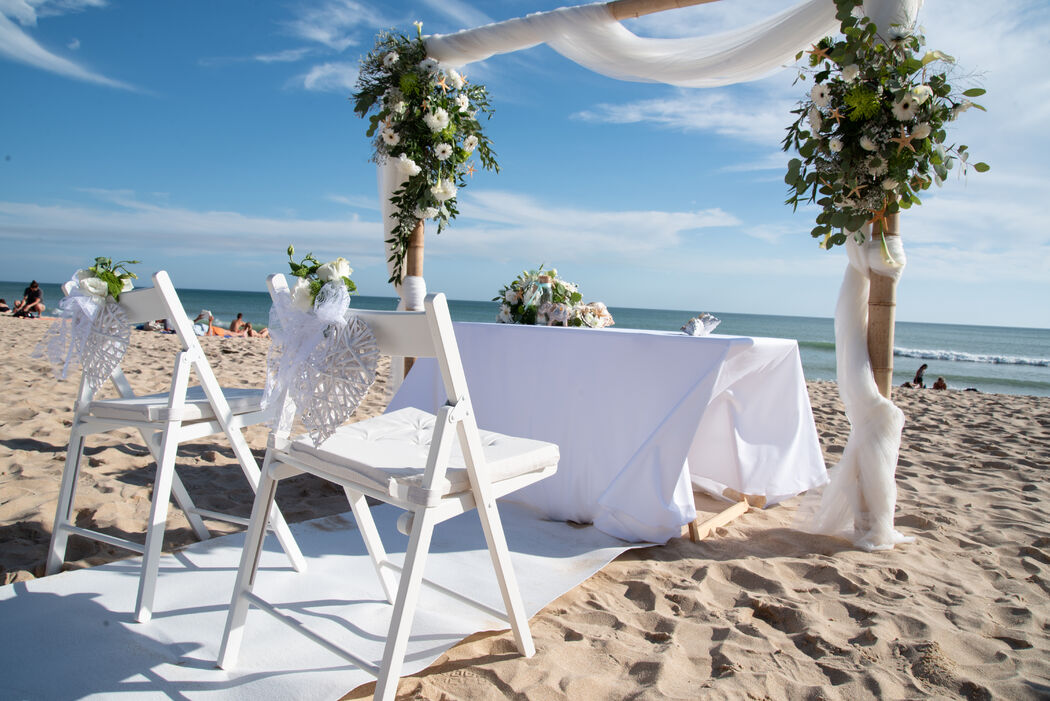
<point>820,53</point>
<point>442,84</point>
<point>470,170</point>
<point>855,190</point>
<point>836,115</point>
<point>903,141</point>
<point>878,216</point>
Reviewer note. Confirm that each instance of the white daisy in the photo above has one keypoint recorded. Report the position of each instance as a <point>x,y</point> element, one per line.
<point>470,143</point>
<point>905,108</point>
<point>820,95</point>
<point>463,102</point>
<point>443,151</point>
<point>390,60</point>
<point>390,137</point>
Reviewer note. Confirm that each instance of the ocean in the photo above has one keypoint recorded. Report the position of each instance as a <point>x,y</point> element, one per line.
<point>986,358</point>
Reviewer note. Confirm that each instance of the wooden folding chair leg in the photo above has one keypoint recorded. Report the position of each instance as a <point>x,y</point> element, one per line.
<point>56,553</point>
<point>158,516</point>
<point>405,605</point>
<point>249,565</point>
<point>373,543</point>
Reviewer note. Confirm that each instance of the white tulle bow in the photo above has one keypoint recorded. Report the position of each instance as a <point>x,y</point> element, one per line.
<point>92,332</point>
<point>323,360</point>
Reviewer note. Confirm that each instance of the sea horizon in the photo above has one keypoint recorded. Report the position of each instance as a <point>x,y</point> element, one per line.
<point>1002,359</point>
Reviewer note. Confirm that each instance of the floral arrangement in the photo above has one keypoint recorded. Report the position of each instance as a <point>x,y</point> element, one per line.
<point>106,278</point>
<point>872,132</point>
<point>538,297</point>
<point>313,275</point>
<point>425,121</point>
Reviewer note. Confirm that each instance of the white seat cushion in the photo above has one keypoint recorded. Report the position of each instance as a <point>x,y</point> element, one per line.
<point>154,407</point>
<point>395,447</point>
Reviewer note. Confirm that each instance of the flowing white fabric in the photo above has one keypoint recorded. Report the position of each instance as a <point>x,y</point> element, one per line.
<point>591,36</point>
<point>92,332</point>
<point>858,503</point>
<point>324,360</point>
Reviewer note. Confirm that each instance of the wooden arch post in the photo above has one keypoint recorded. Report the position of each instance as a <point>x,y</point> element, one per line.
<point>882,307</point>
<point>414,266</point>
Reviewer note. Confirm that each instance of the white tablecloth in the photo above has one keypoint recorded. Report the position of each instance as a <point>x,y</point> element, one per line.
<point>640,416</point>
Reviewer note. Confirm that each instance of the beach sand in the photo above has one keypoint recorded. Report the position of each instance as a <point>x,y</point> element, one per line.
<point>757,611</point>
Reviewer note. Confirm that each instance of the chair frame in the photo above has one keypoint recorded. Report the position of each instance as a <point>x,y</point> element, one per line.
<point>415,334</point>
<point>162,438</point>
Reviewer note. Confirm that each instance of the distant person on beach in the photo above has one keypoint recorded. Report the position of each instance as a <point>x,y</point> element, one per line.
<point>940,384</point>
<point>32,301</point>
<point>239,324</point>
<point>239,327</point>
<point>3,305</point>
<point>918,381</point>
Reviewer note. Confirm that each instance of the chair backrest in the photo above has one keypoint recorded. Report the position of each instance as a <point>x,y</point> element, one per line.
<point>415,334</point>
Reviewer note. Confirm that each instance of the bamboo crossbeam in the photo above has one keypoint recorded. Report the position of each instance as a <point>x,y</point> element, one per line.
<point>699,531</point>
<point>882,306</point>
<point>626,9</point>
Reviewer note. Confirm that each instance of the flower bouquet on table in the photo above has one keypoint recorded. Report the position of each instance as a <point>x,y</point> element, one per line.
<point>872,133</point>
<point>539,297</point>
<point>93,329</point>
<point>425,121</point>
<point>323,357</point>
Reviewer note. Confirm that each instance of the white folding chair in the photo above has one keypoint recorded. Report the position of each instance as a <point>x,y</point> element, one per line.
<point>410,459</point>
<point>164,421</point>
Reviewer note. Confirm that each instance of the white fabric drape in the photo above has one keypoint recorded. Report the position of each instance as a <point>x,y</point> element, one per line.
<point>859,501</point>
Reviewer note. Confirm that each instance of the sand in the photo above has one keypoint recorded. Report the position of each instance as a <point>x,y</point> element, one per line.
<point>757,611</point>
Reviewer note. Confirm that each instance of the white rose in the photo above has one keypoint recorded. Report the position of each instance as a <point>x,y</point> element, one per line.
<point>444,190</point>
<point>512,296</point>
<point>335,270</point>
<point>94,286</point>
<point>867,144</point>
<point>889,184</point>
<point>504,314</point>
<point>850,72</point>
<point>835,145</point>
<point>302,298</point>
<point>456,79</point>
<point>921,93</point>
<point>470,143</point>
<point>443,151</point>
<point>436,120</point>
<point>407,166</point>
<point>921,131</point>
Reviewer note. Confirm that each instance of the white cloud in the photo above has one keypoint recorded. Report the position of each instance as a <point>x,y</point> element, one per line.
<point>333,23</point>
<point>18,46</point>
<point>286,56</point>
<point>459,12</point>
<point>330,77</point>
<point>74,44</point>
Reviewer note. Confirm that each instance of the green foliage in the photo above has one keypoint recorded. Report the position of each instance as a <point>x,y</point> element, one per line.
<point>872,133</point>
<point>424,119</point>
<point>308,269</point>
<point>113,274</point>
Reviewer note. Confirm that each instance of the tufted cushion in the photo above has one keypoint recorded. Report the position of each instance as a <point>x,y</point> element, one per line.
<point>395,446</point>
<point>154,407</point>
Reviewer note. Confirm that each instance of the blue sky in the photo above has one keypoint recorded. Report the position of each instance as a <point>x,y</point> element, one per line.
<point>203,137</point>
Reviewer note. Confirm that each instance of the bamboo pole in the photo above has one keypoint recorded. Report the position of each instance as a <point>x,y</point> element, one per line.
<point>882,306</point>
<point>626,9</point>
<point>414,266</point>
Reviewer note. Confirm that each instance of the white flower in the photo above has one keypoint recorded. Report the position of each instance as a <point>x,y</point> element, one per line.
<point>905,108</point>
<point>302,297</point>
<point>815,120</point>
<point>127,285</point>
<point>890,184</point>
<point>426,212</point>
<point>850,72</point>
<point>504,314</point>
<point>407,166</point>
<point>867,144</point>
<point>444,190</point>
<point>390,60</point>
<point>470,143</point>
<point>512,296</point>
<point>820,95</point>
<point>390,137</point>
<point>835,144</point>
<point>96,287</point>
<point>877,167</point>
<point>455,78</point>
<point>960,108</point>
<point>921,93</point>
<point>335,270</point>
<point>429,65</point>
<point>921,131</point>
<point>463,102</point>
<point>443,151</point>
<point>436,120</point>
<point>418,25</point>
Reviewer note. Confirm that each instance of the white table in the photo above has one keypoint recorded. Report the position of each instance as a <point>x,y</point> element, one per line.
<point>640,417</point>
